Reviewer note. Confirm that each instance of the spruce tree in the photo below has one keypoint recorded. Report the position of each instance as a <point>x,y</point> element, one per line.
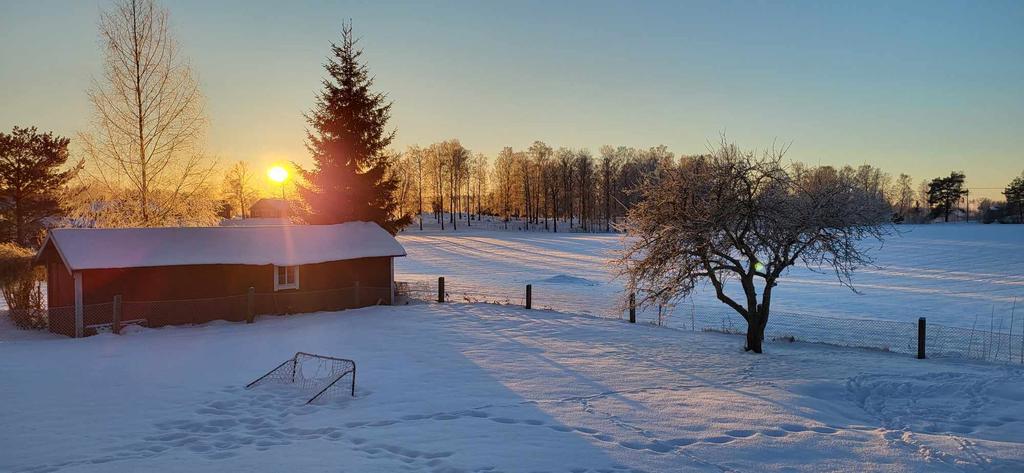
<point>348,137</point>
<point>944,193</point>
<point>1014,193</point>
<point>33,183</point>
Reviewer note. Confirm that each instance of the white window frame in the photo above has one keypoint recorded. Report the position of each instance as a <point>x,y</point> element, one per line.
<point>278,286</point>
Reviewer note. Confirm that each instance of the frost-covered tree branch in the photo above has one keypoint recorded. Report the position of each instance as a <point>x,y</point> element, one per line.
<point>739,218</point>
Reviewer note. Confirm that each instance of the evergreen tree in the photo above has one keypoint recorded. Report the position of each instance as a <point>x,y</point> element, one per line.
<point>944,193</point>
<point>1014,193</point>
<point>347,138</point>
<point>33,179</point>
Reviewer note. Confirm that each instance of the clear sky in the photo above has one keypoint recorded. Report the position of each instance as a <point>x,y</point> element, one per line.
<point>922,87</point>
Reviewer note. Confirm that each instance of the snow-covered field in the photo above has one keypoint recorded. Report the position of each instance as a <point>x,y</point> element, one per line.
<point>964,275</point>
<point>485,388</point>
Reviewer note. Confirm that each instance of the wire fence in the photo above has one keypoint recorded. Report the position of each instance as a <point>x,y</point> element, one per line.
<point>1002,343</point>
<point>995,343</point>
<point>112,316</point>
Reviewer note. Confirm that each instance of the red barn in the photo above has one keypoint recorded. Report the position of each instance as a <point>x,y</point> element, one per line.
<point>181,275</point>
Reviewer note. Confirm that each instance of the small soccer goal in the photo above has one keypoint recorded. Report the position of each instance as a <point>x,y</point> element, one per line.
<point>311,373</point>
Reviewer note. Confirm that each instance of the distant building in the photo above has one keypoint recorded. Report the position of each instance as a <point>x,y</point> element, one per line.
<point>270,208</point>
<point>253,222</point>
<point>183,275</point>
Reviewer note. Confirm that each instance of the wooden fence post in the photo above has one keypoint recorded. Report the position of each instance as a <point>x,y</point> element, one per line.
<point>440,289</point>
<point>632,308</point>
<point>357,293</point>
<point>250,305</point>
<point>529,296</point>
<point>920,338</point>
<point>116,319</point>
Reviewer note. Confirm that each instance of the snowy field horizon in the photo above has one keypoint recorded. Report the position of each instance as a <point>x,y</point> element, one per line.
<point>484,388</point>
<point>960,275</point>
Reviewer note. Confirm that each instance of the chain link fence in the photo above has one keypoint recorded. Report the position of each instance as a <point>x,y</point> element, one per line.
<point>994,343</point>
<point>61,320</point>
<point>28,318</point>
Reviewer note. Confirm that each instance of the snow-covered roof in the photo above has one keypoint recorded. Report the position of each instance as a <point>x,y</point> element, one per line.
<point>282,245</point>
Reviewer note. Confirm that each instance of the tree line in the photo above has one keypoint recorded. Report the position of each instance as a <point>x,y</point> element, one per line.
<point>538,187</point>
<point>563,189</point>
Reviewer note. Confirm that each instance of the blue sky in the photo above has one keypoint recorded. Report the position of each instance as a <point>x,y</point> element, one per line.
<point>916,87</point>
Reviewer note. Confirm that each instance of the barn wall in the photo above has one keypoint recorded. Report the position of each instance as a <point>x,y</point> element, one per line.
<point>177,283</point>
<point>218,280</point>
<point>60,286</point>
<point>60,298</point>
<point>370,272</point>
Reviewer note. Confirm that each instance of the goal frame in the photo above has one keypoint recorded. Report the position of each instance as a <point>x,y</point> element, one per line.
<point>294,361</point>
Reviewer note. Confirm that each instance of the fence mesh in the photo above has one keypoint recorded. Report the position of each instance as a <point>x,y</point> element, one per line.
<point>190,311</point>
<point>61,320</point>
<point>994,343</point>
<point>29,319</point>
<point>974,343</point>
<point>97,318</point>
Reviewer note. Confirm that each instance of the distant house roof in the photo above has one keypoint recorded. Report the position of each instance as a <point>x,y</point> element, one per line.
<point>282,245</point>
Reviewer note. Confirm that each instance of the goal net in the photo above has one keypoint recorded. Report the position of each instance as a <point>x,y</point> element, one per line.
<point>316,375</point>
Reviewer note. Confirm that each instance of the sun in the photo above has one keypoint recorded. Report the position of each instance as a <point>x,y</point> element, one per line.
<point>277,174</point>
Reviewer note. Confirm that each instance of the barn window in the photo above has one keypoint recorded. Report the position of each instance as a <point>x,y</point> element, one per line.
<point>286,277</point>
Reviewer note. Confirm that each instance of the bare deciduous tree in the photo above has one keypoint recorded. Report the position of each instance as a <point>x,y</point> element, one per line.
<point>480,171</point>
<point>240,187</point>
<point>540,154</point>
<point>415,159</point>
<point>740,217</point>
<point>609,169</point>
<point>504,180</point>
<point>902,196</point>
<point>458,158</point>
<point>148,118</point>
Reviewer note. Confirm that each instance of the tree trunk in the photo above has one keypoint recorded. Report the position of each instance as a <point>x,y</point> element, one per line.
<point>755,329</point>
<point>19,221</point>
<point>755,335</point>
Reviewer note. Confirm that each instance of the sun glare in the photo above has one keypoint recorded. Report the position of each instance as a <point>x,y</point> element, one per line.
<point>277,174</point>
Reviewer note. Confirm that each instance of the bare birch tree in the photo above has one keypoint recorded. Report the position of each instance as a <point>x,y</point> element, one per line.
<point>739,217</point>
<point>480,173</point>
<point>148,122</point>
<point>504,180</point>
<point>415,156</point>
<point>457,157</point>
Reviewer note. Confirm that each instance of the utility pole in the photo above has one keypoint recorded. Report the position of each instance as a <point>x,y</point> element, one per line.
<point>968,206</point>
